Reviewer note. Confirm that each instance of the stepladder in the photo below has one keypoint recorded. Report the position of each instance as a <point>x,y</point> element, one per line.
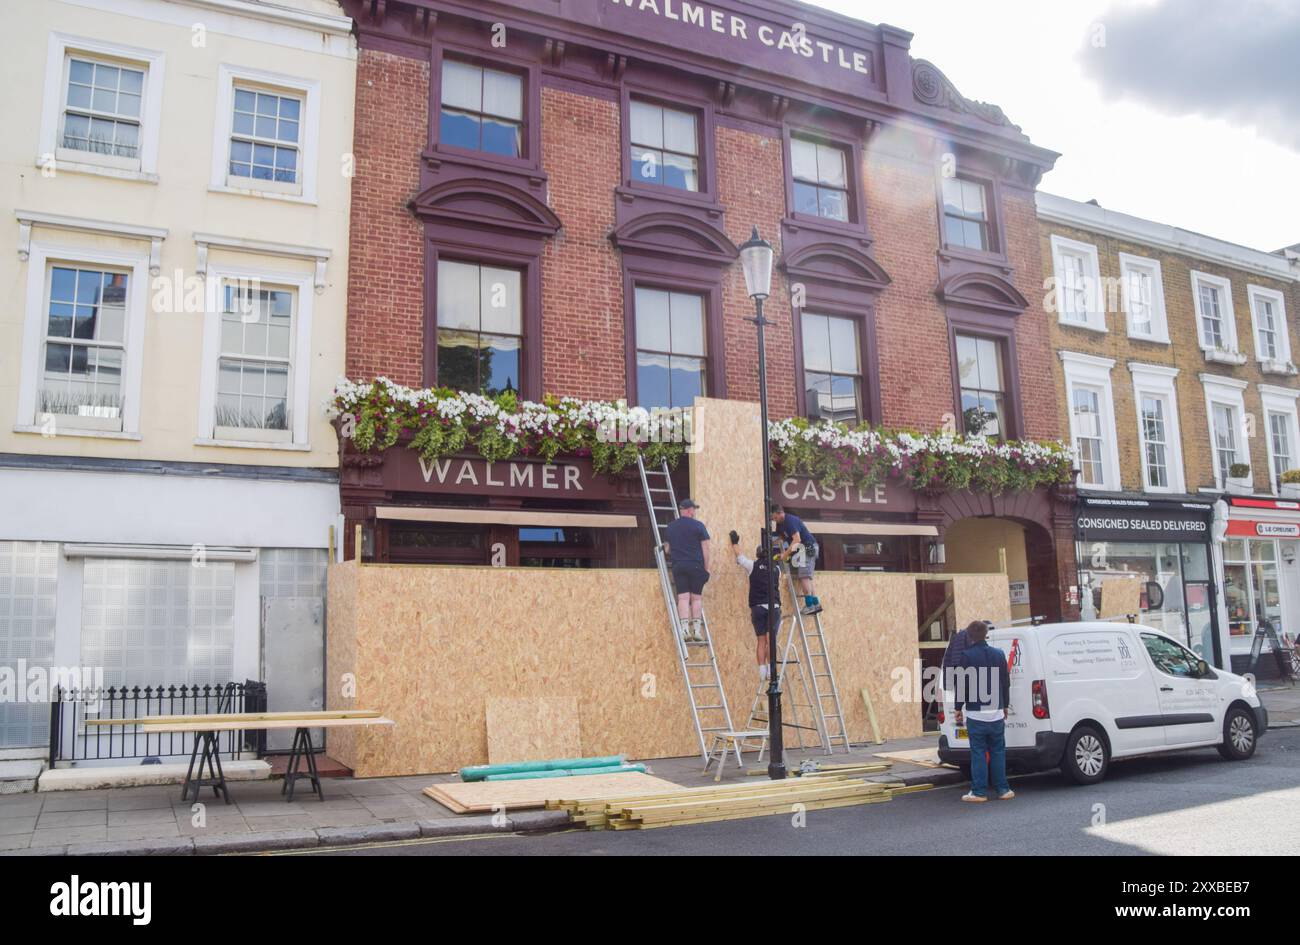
<point>696,656</point>
<point>816,669</point>
<point>798,710</point>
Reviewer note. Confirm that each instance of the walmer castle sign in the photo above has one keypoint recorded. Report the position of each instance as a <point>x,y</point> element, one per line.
<point>716,24</point>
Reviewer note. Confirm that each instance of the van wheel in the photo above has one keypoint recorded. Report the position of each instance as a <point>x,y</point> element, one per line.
<point>1086,756</point>
<point>1239,735</point>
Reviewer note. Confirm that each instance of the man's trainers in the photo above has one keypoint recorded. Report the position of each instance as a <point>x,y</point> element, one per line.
<point>1009,795</point>
<point>973,798</point>
<point>814,609</point>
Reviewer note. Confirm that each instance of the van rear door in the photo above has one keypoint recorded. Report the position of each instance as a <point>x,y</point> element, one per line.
<point>1024,663</point>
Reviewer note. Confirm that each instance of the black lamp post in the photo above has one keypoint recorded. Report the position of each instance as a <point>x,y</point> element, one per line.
<point>756,262</point>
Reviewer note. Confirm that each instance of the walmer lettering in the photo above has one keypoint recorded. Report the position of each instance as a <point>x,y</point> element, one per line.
<point>794,41</point>
<point>561,478</point>
<point>75,898</point>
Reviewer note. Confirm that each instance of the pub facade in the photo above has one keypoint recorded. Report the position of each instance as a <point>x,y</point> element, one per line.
<point>549,200</point>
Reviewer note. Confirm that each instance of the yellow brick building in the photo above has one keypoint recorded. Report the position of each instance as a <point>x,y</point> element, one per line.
<point>1178,387</point>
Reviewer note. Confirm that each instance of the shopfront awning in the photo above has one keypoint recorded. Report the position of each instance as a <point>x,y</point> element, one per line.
<point>478,516</point>
<point>871,528</point>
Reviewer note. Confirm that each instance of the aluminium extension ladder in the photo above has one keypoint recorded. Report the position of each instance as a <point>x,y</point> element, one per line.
<point>828,712</point>
<point>698,661</point>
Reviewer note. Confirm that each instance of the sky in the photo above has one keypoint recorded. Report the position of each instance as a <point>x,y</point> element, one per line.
<point>1186,112</point>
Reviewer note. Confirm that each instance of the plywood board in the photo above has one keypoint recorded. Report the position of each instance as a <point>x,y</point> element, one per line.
<point>489,796</point>
<point>1119,597</point>
<point>535,729</point>
<point>925,757</point>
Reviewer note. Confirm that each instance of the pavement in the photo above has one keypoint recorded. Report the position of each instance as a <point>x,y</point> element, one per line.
<point>390,811</point>
<point>1190,803</point>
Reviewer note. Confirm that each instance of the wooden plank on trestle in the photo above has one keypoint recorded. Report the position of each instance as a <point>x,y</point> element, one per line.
<point>535,729</point>
<point>465,797</point>
<point>308,715</point>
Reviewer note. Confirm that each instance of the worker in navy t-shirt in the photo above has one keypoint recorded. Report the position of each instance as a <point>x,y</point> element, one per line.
<point>686,541</point>
<point>801,552</point>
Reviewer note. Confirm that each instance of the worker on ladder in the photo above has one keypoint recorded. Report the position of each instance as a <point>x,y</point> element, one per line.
<point>686,539</point>
<point>761,584</point>
<point>801,552</point>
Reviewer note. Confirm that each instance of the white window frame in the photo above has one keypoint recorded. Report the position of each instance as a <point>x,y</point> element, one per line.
<point>1128,264</point>
<point>1231,393</point>
<point>1231,352</point>
<point>1096,313</point>
<point>60,49</point>
<point>1281,400</point>
<point>1087,370</point>
<point>299,359</point>
<point>1255,294</point>
<point>41,255</point>
<point>228,76</point>
<point>1158,381</point>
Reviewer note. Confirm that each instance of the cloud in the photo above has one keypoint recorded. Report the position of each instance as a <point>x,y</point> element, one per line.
<point>1237,60</point>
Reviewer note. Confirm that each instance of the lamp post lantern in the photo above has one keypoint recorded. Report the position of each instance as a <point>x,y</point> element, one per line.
<point>756,263</point>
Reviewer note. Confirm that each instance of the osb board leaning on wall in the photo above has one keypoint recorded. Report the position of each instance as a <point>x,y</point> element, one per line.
<point>980,597</point>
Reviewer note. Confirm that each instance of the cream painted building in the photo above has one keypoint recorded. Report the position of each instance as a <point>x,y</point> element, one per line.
<point>176,184</point>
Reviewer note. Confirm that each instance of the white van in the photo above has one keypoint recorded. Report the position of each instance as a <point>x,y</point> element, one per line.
<point>1084,693</point>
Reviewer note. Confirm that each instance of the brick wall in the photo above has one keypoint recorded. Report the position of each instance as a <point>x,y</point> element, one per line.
<point>911,328</point>
<point>582,282</point>
<point>386,283</point>
<point>1183,352</point>
<point>582,289</point>
<point>751,185</point>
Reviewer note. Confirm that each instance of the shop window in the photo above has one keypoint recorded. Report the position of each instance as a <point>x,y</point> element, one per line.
<point>436,543</point>
<point>966,216</point>
<point>482,109</point>
<point>1173,587</point>
<point>983,386</point>
<point>480,327</point>
<point>821,179</point>
<point>557,548</point>
<point>158,622</point>
<point>832,357</point>
<point>665,145</point>
<point>1251,590</point>
<point>671,357</point>
<point>28,595</point>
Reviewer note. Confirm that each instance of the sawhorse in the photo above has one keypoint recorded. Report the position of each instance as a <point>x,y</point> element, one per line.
<point>302,746</point>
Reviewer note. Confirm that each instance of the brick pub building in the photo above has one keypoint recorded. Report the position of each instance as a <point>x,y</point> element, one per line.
<point>596,163</point>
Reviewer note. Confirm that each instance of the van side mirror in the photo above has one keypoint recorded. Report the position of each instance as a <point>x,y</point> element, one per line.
<point>1202,668</point>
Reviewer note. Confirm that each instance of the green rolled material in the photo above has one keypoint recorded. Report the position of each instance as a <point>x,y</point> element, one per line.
<point>482,772</point>
<point>564,772</point>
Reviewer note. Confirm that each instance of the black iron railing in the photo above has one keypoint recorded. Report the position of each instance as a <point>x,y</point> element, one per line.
<point>72,740</point>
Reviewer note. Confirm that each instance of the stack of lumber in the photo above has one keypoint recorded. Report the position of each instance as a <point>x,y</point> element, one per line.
<point>729,802</point>
<point>480,797</point>
<point>817,769</point>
